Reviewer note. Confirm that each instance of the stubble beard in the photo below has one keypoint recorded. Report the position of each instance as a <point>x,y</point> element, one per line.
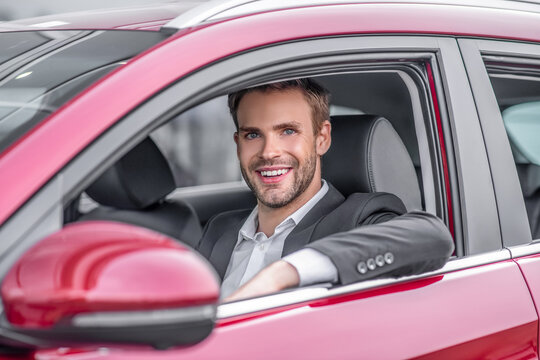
<point>302,179</point>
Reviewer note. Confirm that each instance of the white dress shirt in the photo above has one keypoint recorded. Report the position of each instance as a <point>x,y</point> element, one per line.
<point>254,251</point>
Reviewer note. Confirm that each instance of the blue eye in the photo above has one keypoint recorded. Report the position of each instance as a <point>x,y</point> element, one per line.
<point>251,135</point>
<point>289,131</point>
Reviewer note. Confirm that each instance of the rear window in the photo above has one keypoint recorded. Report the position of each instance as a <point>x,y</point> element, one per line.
<point>42,70</point>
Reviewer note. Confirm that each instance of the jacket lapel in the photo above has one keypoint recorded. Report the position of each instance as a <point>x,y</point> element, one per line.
<point>302,233</point>
<point>223,249</point>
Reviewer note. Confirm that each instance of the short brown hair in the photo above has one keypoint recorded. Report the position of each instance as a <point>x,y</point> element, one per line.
<point>316,96</point>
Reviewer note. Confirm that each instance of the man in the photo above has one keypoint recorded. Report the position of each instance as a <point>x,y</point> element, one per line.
<point>283,129</point>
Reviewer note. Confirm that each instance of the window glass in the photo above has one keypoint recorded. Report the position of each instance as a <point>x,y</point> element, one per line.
<point>199,145</point>
<point>15,44</point>
<point>33,84</point>
<point>517,89</point>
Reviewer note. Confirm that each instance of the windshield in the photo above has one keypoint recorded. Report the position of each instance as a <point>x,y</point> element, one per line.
<point>40,71</point>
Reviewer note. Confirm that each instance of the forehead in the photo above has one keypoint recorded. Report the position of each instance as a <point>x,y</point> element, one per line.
<point>257,108</point>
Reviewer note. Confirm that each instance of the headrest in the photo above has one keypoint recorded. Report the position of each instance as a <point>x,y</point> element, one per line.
<point>367,155</point>
<point>138,180</point>
<point>529,177</point>
<point>523,126</point>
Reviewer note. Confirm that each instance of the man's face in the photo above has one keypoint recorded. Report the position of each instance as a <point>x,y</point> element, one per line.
<point>277,148</point>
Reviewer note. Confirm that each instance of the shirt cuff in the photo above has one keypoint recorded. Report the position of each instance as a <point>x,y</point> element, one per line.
<point>313,267</point>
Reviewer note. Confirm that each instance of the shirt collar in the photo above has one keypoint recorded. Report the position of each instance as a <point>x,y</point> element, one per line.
<point>249,229</point>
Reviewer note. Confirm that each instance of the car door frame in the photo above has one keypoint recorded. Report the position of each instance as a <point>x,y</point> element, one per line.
<point>514,224</point>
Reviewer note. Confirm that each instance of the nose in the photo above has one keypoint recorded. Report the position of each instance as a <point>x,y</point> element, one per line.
<point>271,148</point>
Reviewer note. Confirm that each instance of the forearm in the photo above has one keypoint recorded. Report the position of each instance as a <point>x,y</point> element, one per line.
<point>277,276</point>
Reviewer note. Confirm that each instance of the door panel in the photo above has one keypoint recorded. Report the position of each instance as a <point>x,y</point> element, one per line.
<point>480,312</point>
<point>530,267</point>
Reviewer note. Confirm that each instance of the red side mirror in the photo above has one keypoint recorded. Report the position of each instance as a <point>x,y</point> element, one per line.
<point>111,282</point>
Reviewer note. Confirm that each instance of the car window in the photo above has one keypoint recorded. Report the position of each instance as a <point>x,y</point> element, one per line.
<point>41,71</point>
<point>199,145</point>
<point>517,89</point>
<point>200,151</point>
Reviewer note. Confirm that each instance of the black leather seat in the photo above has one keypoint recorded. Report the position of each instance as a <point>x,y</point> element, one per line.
<point>367,155</point>
<point>133,191</point>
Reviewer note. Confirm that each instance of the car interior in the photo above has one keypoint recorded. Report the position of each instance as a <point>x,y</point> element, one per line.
<point>518,94</point>
<point>186,171</point>
<point>521,122</point>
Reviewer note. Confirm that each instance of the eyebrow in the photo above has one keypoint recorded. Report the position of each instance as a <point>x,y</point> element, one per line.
<point>248,129</point>
<point>291,124</point>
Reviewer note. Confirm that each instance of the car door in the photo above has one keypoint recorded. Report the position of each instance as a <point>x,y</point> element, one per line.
<point>453,312</point>
<point>506,83</point>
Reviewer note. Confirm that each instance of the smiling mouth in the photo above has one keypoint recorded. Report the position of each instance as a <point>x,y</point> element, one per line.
<point>273,176</point>
<point>273,173</point>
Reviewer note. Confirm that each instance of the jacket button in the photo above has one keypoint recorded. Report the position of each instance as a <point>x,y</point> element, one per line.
<point>362,267</point>
<point>371,264</point>
<point>379,260</point>
<point>389,258</point>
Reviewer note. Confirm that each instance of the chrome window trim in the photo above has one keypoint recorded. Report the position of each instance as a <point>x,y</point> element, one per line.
<point>314,293</point>
<point>525,250</point>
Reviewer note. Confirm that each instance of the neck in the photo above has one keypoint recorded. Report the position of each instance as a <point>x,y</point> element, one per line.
<point>269,217</point>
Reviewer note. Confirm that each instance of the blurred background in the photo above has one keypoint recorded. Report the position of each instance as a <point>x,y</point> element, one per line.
<point>14,10</point>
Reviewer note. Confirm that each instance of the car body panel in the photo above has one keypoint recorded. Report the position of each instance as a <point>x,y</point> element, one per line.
<point>530,267</point>
<point>446,324</point>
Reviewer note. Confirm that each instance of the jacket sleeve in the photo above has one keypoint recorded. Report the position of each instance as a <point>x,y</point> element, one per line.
<point>387,245</point>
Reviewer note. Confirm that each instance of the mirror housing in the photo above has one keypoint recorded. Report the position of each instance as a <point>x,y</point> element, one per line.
<point>105,282</point>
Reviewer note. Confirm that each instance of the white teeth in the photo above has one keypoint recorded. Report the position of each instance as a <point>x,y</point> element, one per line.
<point>274,172</point>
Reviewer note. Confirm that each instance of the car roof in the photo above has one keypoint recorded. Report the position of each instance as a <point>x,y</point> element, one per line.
<point>223,9</point>
<point>189,13</point>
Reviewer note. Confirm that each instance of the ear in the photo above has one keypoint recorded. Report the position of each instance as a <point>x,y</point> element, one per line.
<point>235,136</point>
<point>324,138</point>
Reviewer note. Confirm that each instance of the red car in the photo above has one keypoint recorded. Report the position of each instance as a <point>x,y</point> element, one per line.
<point>97,264</point>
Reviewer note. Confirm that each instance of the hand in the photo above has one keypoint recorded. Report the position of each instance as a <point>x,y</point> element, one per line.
<point>275,277</point>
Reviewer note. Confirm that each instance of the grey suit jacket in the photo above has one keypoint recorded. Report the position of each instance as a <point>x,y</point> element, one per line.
<point>353,233</point>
